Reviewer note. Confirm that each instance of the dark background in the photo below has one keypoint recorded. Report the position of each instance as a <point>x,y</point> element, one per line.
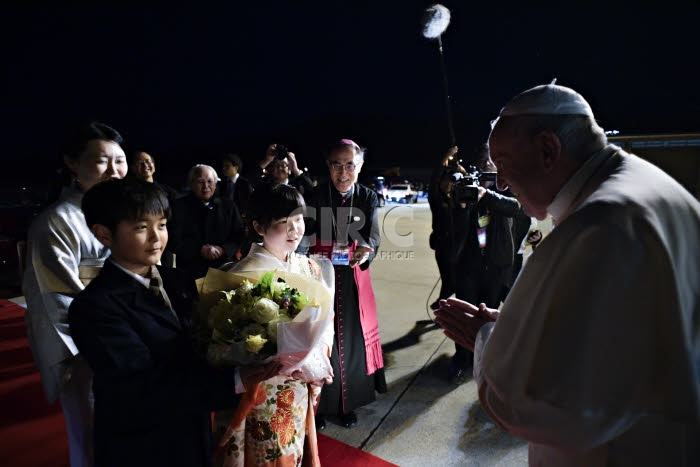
<point>187,84</point>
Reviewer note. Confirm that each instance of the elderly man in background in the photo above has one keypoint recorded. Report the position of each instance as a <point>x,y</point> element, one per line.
<point>595,355</point>
<point>205,231</point>
<point>142,166</point>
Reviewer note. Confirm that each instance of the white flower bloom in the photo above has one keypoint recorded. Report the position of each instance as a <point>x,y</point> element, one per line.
<point>264,311</point>
<point>245,288</point>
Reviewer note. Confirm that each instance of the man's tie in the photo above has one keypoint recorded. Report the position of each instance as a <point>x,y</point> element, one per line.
<point>229,188</point>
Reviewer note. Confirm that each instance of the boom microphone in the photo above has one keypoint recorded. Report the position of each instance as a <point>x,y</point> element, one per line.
<point>435,20</point>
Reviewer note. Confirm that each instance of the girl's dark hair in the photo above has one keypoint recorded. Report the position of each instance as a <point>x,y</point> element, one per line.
<point>110,202</point>
<point>270,202</point>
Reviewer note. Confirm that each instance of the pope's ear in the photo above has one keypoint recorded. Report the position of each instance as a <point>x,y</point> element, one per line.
<point>550,148</point>
<point>103,234</point>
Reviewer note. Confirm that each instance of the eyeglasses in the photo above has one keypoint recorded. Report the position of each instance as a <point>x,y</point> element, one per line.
<point>281,166</point>
<point>145,163</point>
<point>350,166</point>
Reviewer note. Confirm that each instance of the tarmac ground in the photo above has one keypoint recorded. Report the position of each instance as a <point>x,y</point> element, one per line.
<point>422,419</point>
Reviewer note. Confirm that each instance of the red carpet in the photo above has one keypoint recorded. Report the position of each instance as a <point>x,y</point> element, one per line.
<point>32,433</point>
<point>334,453</point>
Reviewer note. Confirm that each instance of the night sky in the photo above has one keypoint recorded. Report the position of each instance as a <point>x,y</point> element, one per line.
<point>188,84</point>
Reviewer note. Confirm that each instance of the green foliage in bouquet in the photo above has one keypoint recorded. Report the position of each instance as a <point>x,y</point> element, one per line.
<point>249,314</point>
<point>292,301</point>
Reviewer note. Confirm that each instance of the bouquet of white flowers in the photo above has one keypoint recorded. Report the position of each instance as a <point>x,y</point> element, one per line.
<point>251,318</point>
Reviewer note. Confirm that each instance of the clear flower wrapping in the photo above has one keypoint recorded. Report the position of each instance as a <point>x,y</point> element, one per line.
<point>253,316</point>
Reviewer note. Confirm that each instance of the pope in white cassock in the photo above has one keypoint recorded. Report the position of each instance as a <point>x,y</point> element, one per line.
<point>595,355</point>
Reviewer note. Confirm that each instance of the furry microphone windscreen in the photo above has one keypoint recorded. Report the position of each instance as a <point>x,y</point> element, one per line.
<point>435,21</point>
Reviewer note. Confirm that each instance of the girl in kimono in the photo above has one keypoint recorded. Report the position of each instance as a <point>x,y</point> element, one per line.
<point>270,435</point>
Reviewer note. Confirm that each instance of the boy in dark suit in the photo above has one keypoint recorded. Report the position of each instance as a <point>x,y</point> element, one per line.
<point>153,392</point>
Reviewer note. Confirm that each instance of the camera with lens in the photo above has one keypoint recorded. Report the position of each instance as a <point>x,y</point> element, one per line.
<point>465,187</point>
<point>281,152</point>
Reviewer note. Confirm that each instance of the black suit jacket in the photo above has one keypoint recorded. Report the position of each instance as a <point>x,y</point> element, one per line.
<point>499,244</point>
<point>325,199</point>
<point>170,191</point>
<point>153,392</point>
<point>194,225</point>
<point>240,193</point>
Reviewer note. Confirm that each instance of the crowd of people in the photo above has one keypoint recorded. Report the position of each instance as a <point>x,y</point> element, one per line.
<point>119,357</point>
<point>590,349</point>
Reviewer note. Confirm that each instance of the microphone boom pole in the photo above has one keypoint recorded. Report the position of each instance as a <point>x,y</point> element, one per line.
<point>453,139</point>
<point>436,18</point>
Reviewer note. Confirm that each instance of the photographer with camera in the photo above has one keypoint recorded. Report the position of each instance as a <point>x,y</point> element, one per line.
<point>481,250</point>
<point>280,166</point>
<point>442,237</point>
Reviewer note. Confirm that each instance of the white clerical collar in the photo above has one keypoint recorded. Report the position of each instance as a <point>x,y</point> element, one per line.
<point>571,189</point>
<point>343,194</point>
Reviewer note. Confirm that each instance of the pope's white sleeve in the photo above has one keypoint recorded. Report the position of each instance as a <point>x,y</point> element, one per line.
<point>587,334</point>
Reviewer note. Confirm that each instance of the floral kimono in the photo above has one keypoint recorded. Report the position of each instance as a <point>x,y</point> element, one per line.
<point>279,429</point>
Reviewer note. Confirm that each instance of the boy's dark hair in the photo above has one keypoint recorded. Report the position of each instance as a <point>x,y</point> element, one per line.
<point>235,160</point>
<point>110,202</point>
<point>270,202</point>
<point>76,141</point>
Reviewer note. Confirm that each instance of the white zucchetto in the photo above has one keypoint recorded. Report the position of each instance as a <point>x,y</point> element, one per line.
<point>547,99</point>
